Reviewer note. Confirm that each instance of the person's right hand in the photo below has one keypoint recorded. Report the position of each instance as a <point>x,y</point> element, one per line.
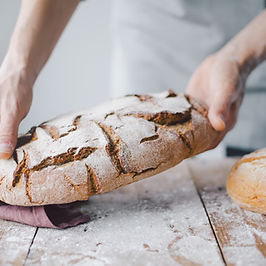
<point>15,101</point>
<point>219,83</point>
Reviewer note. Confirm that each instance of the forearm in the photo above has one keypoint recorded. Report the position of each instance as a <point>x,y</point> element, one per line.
<point>248,47</point>
<point>38,28</point>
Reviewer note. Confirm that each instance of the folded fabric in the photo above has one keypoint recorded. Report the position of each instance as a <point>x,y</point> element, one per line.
<point>50,216</point>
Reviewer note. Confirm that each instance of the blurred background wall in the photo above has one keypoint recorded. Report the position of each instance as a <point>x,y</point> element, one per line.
<point>77,74</point>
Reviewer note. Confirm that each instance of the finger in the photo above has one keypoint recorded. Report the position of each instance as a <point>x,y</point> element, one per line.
<point>217,120</point>
<point>218,112</point>
<point>219,107</point>
<point>8,137</point>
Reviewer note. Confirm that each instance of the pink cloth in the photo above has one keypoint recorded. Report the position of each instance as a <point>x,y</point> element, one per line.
<point>51,216</point>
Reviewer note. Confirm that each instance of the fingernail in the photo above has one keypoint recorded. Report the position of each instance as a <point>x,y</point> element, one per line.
<point>5,147</point>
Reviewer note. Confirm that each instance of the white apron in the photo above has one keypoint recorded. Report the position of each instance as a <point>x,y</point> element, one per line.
<point>157,44</point>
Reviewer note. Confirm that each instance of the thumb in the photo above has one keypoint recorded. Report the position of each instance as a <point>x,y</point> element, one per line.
<point>8,137</point>
<point>217,115</point>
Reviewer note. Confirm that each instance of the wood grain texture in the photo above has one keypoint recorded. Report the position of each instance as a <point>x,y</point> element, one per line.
<point>157,221</point>
<point>15,241</point>
<point>241,234</point>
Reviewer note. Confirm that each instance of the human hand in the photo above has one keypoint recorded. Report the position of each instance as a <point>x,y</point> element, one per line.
<point>37,30</point>
<point>219,82</point>
<point>15,102</point>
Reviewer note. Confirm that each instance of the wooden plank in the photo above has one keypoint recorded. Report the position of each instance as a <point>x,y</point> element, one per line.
<point>157,221</point>
<point>15,240</point>
<point>240,233</point>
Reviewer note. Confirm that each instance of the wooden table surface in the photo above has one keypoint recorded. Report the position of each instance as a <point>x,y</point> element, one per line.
<point>180,217</point>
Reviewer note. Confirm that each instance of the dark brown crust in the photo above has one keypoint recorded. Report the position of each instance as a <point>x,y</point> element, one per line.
<point>153,137</point>
<point>142,98</point>
<point>146,170</point>
<point>75,125</point>
<point>113,149</point>
<point>28,187</point>
<point>200,108</point>
<point>84,152</point>
<point>64,158</point>
<point>163,118</point>
<point>22,140</point>
<point>1,179</point>
<point>56,160</point>
<point>171,93</point>
<point>28,137</point>
<point>186,142</point>
<point>111,113</point>
<point>60,159</point>
<point>20,169</point>
<point>76,121</point>
<point>147,97</point>
<point>53,131</point>
<point>113,146</point>
<point>93,183</point>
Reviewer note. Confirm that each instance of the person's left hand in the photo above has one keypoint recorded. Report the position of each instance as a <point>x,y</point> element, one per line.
<point>219,82</point>
<point>15,101</point>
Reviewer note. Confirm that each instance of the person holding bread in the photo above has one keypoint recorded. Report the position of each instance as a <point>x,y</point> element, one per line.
<point>156,45</point>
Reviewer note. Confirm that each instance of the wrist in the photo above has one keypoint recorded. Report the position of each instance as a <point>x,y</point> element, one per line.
<point>245,59</point>
<point>19,66</point>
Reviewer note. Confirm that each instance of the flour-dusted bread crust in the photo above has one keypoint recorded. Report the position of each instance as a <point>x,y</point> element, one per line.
<point>79,154</point>
<point>246,183</point>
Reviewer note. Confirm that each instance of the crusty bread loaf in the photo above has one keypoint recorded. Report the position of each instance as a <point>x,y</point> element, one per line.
<point>246,182</point>
<point>76,155</point>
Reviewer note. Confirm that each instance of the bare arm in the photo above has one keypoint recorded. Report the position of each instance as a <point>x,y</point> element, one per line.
<point>248,47</point>
<point>38,28</point>
<point>220,80</point>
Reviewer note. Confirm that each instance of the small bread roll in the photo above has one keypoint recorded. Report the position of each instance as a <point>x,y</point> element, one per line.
<point>246,182</point>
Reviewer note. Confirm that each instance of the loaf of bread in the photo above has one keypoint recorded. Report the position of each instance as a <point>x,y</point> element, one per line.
<point>79,154</point>
<point>246,182</point>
